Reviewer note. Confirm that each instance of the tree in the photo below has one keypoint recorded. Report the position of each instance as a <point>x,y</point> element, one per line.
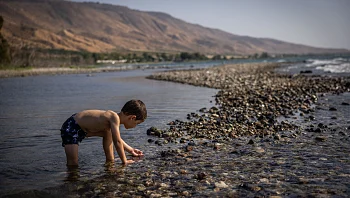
<point>5,54</point>
<point>164,56</point>
<point>217,57</point>
<point>264,55</point>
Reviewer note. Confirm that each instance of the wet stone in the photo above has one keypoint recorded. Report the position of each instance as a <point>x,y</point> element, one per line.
<point>333,109</point>
<point>321,138</point>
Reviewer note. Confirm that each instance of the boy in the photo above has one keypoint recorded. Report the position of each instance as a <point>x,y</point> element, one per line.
<point>104,124</point>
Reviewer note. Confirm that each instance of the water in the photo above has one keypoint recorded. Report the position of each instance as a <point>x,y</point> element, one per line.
<point>32,110</point>
<point>331,66</point>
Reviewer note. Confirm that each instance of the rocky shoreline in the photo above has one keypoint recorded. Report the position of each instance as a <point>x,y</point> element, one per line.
<point>262,139</point>
<point>250,100</point>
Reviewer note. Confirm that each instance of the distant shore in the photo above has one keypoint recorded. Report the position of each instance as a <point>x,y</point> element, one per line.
<point>55,71</point>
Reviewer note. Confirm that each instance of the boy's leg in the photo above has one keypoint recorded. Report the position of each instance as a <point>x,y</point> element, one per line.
<point>108,147</point>
<point>71,154</point>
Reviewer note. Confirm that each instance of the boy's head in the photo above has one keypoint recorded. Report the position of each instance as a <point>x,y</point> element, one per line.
<point>135,107</point>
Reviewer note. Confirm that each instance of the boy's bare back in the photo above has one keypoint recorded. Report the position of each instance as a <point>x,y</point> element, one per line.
<point>95,122</point>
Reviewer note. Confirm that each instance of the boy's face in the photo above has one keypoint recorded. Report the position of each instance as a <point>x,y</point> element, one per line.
<point>131,122</point>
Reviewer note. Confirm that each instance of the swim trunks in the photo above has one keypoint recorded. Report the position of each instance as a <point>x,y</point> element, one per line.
<point>71,133</point>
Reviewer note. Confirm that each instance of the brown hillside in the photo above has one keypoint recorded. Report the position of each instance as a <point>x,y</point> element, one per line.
<point>94,27</point>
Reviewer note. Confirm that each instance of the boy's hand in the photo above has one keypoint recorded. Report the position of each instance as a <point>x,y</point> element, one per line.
<point>136,153</point>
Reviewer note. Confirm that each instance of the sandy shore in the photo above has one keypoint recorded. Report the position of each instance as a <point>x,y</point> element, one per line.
<point>263,139</point>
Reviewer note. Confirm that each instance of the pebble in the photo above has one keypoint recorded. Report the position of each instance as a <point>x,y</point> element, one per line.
<point>221,184</point>
<point>321,138</point>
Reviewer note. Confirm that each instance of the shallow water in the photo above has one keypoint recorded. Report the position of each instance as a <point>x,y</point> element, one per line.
<point>33,109</point>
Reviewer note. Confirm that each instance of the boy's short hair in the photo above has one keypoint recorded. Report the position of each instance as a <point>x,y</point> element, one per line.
<point>135,107</point>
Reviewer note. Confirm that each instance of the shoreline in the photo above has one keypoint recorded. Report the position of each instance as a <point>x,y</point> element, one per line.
<point>37,71</point>
<point>57,71</point>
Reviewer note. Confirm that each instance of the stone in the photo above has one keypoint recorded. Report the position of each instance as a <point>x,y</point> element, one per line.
<point>251,141</point>
<point>221,184</point>
<point>321,138</point>
<point>201,176</point>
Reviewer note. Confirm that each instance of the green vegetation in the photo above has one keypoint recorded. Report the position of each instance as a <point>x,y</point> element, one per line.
<point>27,58</point>
<point>149,57</point>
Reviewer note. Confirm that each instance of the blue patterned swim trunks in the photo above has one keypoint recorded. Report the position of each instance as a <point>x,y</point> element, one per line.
<point>71,133</point>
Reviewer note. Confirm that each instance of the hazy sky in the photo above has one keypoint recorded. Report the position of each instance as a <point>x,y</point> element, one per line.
<point>318,23</point>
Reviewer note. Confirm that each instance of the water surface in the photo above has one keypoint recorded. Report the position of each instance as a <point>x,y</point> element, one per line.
<point>32,110</point>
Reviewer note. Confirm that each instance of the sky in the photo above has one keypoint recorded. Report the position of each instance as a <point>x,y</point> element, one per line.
<point>317,23</point>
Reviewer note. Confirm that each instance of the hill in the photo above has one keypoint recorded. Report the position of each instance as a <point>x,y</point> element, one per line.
<point>95,27</point>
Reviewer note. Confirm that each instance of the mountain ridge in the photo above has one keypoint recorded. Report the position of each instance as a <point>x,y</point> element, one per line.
<point>97,27</point>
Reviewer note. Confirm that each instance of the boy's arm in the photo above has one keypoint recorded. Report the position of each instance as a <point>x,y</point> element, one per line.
<point>127,147</point>
<point>117,140</point>
<point>134,152</point>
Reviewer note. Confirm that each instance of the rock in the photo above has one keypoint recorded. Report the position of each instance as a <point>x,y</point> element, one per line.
<point>185,193</point>
<point>259,150</point>
<point>341,133</point>
<point>345,103</point>
<point>333,109</point>
<point>155,195</point>
<point>158,142</point>
<point>221,184</point>
<point>203,110</point>
<point>183,140</point>
<point>318,130</point>
<point>189,148</point>
<point>277,137</point>
<point>322,126</point>
<point>164,185</point>
<point>217,146</point>
<point>321,138</point>
<point>191,143</point>
<point>306,71</point>
<point>251,141</point>
<point>183,171</point>
<point>141,188</point>
<point>154,131</point>
<point>201,176</point>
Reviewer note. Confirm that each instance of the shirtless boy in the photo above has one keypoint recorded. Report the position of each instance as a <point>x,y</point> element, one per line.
<point>104,124</point>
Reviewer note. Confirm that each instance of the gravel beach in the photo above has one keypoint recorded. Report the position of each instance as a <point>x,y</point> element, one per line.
<point>263,137</point>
